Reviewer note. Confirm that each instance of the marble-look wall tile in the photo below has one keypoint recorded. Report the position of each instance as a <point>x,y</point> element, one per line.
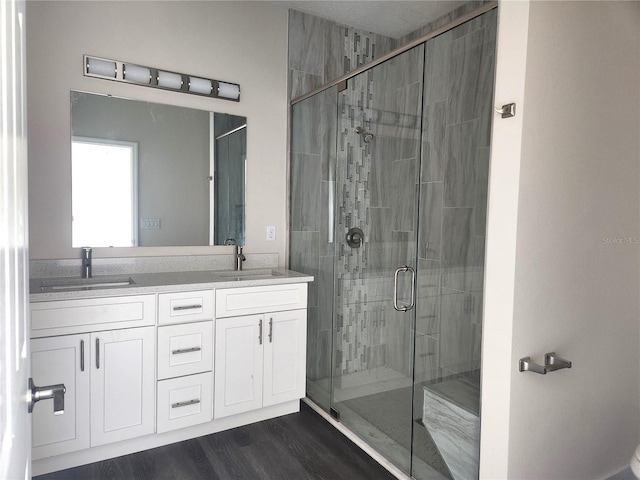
<point>328,130</point>
<point>456,332</point>
<point>305,118</point>
<point>426,358</point>
<point>481,190</point>
<point>404,191</point>
<point>464,77</point>
<point>437,68</point>
<point>379,182</point>
<point>484,100</point>
<point>324,349</point>
<point>478,250</point>
<point>490,25</point>
<point>460,165</point>
<point>457,228</point>
<point>430,236</point>
<point>442,21</point>
<point>371,192</point>
<point>456,433</point>
<point>476,352</point>
<point>427,315</point>
<point>399,341</point>
<point>334,59</point>
<point>324,281</point>
<point>463,279</point>
<point>305,192</point>
<point>306,40</point>
<point>380,218</point>
<point>322,50</point>
<point>434,142</point>
<point>468,27</point>
<point>303,82</point>
<point>312,343</point>
<point>303,253</point>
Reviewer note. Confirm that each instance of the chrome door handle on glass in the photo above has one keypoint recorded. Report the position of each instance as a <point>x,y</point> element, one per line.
<point>404,308</point>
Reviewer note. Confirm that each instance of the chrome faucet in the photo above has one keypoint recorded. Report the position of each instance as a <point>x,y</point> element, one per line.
<point>86,262</point>
<point>239,258</point>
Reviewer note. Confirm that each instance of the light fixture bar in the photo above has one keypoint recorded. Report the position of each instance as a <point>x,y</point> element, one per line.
<point>118,71</point>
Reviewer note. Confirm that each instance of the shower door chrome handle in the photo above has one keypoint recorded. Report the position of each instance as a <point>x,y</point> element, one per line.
<point>404,308</point>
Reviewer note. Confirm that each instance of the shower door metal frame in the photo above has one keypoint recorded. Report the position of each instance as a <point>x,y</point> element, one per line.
<point>398,51</point>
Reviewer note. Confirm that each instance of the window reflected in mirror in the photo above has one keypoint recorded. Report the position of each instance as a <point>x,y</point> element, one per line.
<point>104,192</point>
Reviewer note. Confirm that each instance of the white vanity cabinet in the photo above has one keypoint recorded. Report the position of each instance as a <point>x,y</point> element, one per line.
<point>122,384</point>
<point>259,357</point>
<point>164,365</point>
<point>109,374</point>
<point>63,359</point>
<point>185,359</point>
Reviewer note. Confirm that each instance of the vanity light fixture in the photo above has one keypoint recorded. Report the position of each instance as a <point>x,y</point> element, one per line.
<point>169,80</point>
<point>136,74</point>
<point>102,68</point>
<point>200,85</point>
<point>152,77</point>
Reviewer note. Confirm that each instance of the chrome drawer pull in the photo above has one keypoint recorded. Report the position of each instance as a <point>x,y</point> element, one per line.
<point>185,404</point>
<point>186,307</point>
<point>185,350</point>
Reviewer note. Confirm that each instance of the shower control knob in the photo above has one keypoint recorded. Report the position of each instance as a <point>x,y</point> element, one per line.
<point>355,237</point>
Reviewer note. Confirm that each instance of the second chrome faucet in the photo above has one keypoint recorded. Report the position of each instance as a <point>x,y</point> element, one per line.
<point>86,262</point>
<point>239,256</point>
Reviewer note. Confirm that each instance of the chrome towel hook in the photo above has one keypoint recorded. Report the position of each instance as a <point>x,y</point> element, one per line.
<point>552,362</point>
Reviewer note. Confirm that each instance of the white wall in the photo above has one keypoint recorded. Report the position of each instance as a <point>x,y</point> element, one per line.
<point>242,42</point>
<point>500,255</point>
<point>577,266</point>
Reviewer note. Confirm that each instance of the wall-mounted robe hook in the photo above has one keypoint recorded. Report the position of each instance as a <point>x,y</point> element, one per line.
<point>507,111</point>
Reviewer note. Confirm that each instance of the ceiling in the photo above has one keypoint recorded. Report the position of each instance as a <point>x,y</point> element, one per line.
<point>392,18</point>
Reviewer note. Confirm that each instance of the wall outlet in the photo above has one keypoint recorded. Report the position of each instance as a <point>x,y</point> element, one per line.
<point>271,233</point>
<point>150,223</point>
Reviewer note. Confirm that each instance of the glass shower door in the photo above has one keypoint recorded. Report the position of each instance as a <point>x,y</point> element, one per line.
<point>457,113</point>
<point>377,176</point>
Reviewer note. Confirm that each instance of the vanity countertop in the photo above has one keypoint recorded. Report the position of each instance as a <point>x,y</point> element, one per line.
<point>68,288</point>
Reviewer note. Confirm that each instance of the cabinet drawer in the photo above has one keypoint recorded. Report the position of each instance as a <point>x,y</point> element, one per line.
<point>185,349</point>
<point>183,307</point>
<point>63,317</point>
<point>251,300</point>
<point>184,401</point>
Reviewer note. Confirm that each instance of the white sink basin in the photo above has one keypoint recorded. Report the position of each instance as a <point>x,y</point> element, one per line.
<point>85,283</point>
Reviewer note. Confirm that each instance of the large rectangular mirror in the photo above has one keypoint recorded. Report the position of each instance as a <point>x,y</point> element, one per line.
<point>148,174</point>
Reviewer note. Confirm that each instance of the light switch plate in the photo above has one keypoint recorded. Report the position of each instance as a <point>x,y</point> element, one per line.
<point>150,223</point>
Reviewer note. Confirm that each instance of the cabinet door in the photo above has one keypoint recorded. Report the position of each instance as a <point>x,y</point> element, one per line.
<point>284,356</point>
<point>122,384</point>
<point>57,360</point>
<point>238,365</point>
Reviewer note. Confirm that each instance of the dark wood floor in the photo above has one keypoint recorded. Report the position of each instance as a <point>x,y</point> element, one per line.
<point>298,446</point>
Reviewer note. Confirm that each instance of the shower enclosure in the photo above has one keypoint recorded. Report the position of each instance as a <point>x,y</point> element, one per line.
<point>389,173</point>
